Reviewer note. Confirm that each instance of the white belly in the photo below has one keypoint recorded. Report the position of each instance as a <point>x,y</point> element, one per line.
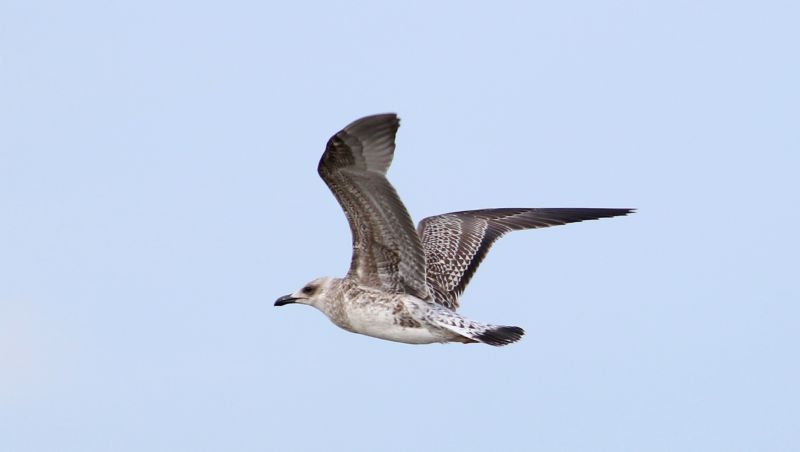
<point>403,334</point>
<point>382,324</point>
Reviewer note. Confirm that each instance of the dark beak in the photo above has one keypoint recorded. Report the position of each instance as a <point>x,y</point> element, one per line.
<point>286,299</point>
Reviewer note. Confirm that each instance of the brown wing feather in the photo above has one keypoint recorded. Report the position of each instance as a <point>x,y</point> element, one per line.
<point>387,253</point>
<point>456,243</point>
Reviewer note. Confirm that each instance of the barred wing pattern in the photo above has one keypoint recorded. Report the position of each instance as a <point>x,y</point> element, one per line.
<point>455,243</point>
<point>387,253</point>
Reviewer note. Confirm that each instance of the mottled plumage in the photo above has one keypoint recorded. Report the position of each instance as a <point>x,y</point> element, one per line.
<point>387,253</point>
<point>455,243</point>
<point>403,284</point>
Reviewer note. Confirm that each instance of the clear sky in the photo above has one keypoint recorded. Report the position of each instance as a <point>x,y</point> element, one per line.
<point>158,191</point>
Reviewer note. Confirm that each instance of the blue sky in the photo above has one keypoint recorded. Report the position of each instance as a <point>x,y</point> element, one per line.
<point>158,191</point>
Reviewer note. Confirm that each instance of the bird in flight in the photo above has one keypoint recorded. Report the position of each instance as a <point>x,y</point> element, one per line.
<point>404,283</point>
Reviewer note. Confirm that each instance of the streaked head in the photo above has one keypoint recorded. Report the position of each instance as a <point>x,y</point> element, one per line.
<point>314,293</point>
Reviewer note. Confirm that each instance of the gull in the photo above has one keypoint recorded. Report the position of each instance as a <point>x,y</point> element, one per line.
<point>404,283</point>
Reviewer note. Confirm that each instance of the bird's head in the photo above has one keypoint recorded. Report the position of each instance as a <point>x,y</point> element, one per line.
<point>314,293</point>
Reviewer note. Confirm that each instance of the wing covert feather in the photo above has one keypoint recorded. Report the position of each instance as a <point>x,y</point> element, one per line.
<point>456,243</point>
<point>387,253</point>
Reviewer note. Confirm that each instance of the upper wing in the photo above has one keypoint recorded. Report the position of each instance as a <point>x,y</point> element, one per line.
<point>387,253</point>
<point>456,243</point>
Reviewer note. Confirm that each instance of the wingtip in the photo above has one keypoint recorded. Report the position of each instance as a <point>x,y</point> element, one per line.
<point>372,120</point>
<point>611,212</point>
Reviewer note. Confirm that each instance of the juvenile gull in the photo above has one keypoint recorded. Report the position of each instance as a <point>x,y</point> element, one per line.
<point>403,284</point>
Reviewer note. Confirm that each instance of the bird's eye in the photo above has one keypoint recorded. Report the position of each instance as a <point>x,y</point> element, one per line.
<point>308,290</point>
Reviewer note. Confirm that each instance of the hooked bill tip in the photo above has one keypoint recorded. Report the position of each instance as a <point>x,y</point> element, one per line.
<point>286,299</point>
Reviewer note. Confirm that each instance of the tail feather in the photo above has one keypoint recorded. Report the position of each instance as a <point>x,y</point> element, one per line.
<point>469,331</point>
<point>500,335</point>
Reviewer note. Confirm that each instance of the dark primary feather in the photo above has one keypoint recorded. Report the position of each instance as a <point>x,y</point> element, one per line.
<point>456,243</point>
<point>387,253</point>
